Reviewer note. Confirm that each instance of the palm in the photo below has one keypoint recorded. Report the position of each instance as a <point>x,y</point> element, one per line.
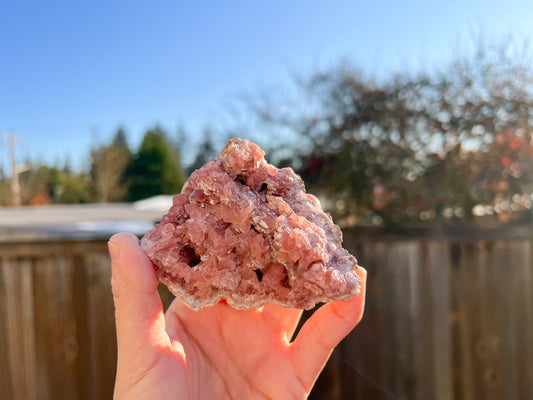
<point>241,352</point>
<point>219,352</point>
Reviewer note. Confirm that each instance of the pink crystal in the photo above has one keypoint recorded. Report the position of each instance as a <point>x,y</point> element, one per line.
<point>246,231</point>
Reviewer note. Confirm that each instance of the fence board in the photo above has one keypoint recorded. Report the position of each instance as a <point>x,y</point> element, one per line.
<point>472,334</point>
<point>441,321</point>
<point>510,278</point>
<point>523,307</point>
<point>6,386</point>
<point>485,346</point>
<point>462,312</point>
<point>494,343</point>
<point>85,375</point>
<point>21,336</point>
<point>403,322</point>
<point>19,327</point>
<point>101,325</point>
<point>422,327</point>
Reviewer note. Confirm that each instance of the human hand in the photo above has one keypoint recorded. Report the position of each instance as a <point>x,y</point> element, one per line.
<point>217,352</point>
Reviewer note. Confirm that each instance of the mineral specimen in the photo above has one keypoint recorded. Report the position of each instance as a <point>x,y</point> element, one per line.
<point>245,231</point>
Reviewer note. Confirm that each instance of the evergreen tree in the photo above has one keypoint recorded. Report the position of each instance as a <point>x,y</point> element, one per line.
<point>120,141</point>
<point>156,168</point>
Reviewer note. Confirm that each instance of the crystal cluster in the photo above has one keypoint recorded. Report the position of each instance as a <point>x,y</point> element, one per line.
<point>245,231</point>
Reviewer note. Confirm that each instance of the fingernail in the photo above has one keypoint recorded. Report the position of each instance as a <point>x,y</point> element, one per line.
<point>114,251</point>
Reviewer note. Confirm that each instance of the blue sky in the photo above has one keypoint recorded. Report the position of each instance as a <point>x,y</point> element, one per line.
<point>71,72</point>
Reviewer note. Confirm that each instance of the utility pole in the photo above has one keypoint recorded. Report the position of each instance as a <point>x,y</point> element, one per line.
<point>12,139</point>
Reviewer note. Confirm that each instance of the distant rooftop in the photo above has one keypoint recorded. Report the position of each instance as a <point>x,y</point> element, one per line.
<point>81,221</point>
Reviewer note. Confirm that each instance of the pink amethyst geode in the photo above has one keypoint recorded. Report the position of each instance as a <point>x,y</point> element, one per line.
<point>245,231</point>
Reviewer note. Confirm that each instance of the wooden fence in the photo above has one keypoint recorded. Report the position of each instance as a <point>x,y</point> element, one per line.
<point>57,334</point>
<point>449,316</point>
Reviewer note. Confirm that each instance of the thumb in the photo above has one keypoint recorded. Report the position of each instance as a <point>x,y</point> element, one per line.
<point>139,312</point>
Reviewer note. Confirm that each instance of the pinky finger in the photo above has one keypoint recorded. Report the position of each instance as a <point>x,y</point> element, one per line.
<point>323,331</point>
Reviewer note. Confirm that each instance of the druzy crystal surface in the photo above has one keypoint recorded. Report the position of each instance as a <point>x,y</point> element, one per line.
<point>245,231</point>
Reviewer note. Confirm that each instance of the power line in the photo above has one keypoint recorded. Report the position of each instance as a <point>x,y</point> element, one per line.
<point>12,140</point>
